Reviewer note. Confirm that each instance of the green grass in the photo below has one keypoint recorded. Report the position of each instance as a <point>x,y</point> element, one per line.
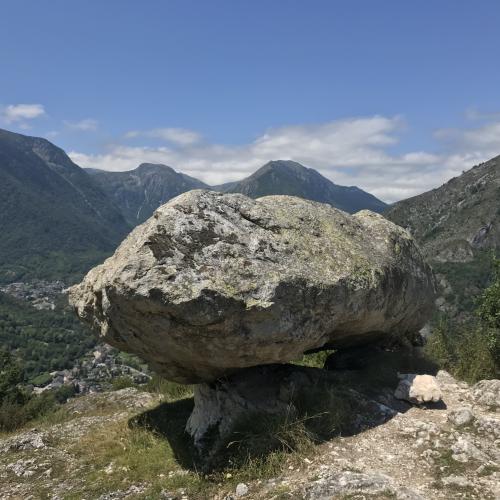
<point>170,391</point>
<point>42,379</point>
<point>122,382</point>
<point>445,465</point>
<point>314,360</point>
<point>471,350</point>
<point>153,449</point>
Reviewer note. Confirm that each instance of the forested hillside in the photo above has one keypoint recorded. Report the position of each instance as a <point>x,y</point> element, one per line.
<point>43,340</point>
<point>55,221</point>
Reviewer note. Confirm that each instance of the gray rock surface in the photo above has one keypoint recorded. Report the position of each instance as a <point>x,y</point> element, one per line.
<point>487,393</point>
<point>333,484</point>
<point>461,416</point>
<point>406,457</point>
<point>30,440</point>
<point>213,283</point>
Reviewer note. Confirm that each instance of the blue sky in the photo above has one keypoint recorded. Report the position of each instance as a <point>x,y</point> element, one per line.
<point>393,96</point>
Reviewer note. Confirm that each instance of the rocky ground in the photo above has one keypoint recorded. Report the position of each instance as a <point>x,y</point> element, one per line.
<point>449,452</point>
<point>90,450</point>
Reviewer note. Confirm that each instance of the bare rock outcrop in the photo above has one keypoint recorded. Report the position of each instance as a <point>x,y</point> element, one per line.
<point>213,283</point>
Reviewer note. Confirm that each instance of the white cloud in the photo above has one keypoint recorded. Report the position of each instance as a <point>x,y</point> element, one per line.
<point>18,113</point>
<point>179,136</point>
<point>86,125</point>
<point>485,139</point>
<point>474,114</point>
<point>354,151</point>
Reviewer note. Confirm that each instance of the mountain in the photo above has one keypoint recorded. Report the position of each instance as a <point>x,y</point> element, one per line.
<point>456,225</point>
<point>292,178</point>
<point>54,218</point>
<point>58,219</point>
<point>138,193</point>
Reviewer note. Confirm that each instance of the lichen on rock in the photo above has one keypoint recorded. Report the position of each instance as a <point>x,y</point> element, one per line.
<point>213,283</point>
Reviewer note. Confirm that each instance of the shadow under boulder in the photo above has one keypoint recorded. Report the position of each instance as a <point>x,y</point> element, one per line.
<point>260,410</point>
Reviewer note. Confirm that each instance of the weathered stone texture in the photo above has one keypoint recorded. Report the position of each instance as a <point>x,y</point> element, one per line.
<point>213,283</point>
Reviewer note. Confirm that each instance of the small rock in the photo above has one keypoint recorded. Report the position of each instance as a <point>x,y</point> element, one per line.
<point>488,425</point>
<point>31,440</point>
<point>23,468</point>
<point>241,490</point>
<point>418,389</point>
<point>166,495</point>
<point>460,481</point>
<point>334,484</point>
<point>109,469</point>
<point>487,393</point>
<point>464,450</point>
<point>460,417</point>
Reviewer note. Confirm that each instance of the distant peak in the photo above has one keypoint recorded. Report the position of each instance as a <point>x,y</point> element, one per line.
<point>290,164</point>
<point>282,166</point>
<point>153,167</point>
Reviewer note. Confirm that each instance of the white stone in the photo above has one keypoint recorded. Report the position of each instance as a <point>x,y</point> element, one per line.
<point>241,490</point>
<point>418,389</point>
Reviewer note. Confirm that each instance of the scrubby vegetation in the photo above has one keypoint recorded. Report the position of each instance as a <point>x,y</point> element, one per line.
<point>466,279</point>
<point>471,350</point>
<point>315,359</point>
<point>17,406</point>
<point>314,416</point>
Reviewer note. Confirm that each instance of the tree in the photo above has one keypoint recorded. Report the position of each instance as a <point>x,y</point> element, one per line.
<point>489,303</point>
<point>11,375</point>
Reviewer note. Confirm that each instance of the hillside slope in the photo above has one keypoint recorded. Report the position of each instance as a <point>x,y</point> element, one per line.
<point>454,220</point>
<point>138,193</point>
<point>456,225</point>
<point>292,178</point>
<point>55,220</point>
<point>131,444</point>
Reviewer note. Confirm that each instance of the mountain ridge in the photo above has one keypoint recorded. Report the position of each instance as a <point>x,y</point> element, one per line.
<point>457,226</point>
<point>291,178</point>
<point>50,207</point>
<point>453,220</point>
<point>59,219</point>
<point>140,191</point>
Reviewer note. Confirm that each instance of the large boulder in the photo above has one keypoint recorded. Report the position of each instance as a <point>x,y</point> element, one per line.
<point>212,283</point>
